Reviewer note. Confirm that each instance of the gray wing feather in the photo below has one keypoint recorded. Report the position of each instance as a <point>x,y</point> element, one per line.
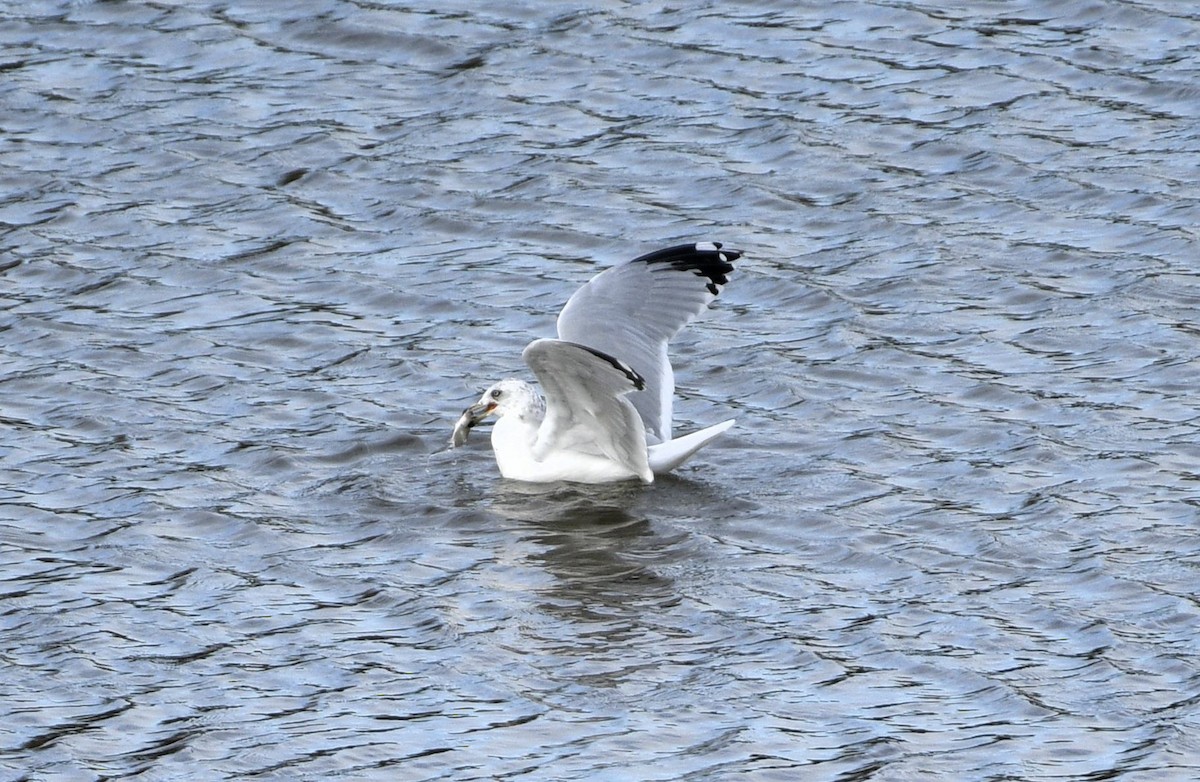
<point>586,408</point>
<point>632,310</point>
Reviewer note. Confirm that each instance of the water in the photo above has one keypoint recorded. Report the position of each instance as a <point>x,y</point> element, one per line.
<point>256,260</point>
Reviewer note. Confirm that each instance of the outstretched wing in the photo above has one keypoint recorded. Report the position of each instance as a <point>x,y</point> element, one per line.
<point>586,408</point>
<point>632,310</point>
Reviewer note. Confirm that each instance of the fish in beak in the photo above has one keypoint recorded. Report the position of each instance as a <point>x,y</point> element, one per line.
<point>470,417</point>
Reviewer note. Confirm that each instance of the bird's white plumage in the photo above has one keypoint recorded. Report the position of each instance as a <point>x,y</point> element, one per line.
<point>633,310</point>
<point>607,381</point>
<point>586,408</point>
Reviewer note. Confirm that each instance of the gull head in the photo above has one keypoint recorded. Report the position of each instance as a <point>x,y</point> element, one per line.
<point>505,397</point>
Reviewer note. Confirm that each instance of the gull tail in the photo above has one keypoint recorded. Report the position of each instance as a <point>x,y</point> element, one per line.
<point>665,457</point>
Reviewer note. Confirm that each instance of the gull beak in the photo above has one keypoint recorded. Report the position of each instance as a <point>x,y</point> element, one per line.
<point>470,417</point>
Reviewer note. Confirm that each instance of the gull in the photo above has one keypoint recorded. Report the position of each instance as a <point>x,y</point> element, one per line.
<point>604,410</point>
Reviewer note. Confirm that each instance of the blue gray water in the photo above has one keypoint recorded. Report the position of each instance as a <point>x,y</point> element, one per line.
<point>256,257</point>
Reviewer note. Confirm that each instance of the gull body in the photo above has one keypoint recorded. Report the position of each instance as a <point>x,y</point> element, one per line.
<point>604,413</point>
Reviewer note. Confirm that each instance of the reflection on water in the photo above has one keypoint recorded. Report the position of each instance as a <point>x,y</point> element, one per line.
<point>597,553</point>
<point>254,260</point>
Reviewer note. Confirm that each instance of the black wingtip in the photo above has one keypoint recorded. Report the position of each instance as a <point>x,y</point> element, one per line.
<point>638,381</point>
<point>707,259</point>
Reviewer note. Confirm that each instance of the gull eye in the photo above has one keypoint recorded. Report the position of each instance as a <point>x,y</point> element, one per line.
<point>496,393</point>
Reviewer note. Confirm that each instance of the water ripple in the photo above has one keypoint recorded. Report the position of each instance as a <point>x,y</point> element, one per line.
<point>253,260</point>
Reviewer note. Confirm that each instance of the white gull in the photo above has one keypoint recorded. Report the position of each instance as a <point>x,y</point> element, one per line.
<point>608,384</point>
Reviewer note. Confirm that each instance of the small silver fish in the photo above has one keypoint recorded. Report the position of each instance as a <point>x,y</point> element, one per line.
<point>470,417</point>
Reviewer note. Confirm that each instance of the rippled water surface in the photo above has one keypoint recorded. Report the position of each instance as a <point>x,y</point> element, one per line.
<point>256,257</point>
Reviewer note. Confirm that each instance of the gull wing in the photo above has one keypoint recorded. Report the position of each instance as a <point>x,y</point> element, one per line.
<point>586,408</point>
<point>632,310</point>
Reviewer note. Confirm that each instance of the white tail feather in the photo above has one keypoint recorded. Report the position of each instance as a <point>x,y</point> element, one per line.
<point>665,457</point>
